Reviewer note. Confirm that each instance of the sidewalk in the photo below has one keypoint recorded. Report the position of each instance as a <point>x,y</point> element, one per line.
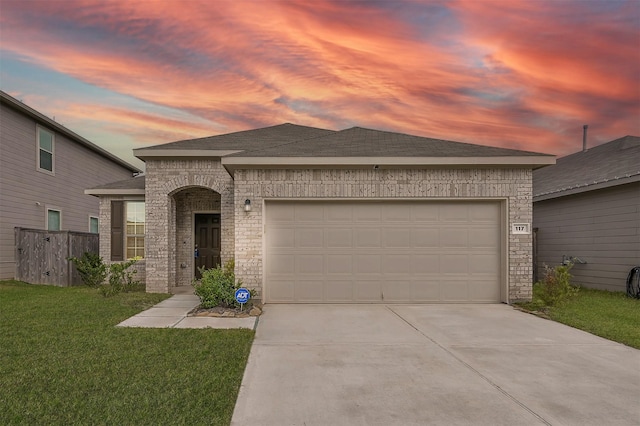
<point>172,313</point>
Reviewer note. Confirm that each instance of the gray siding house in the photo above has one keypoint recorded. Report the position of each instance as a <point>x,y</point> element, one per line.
<point>44,169</point>
<point>587,207</point>
<point>319,216</point>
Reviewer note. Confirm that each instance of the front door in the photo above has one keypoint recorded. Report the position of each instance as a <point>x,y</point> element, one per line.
<point>207,253</point>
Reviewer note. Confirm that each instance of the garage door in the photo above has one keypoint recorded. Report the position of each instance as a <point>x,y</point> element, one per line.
<point>382,252</point>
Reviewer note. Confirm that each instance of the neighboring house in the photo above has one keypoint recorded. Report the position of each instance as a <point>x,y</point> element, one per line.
<point>44,169</point>
<point>587,209</point>
<point>314,216</point>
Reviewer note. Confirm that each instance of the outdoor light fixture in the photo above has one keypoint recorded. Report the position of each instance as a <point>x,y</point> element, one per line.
<point>247,205</point>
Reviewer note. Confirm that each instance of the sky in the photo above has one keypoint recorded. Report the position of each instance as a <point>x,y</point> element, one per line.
<point>515,74</point>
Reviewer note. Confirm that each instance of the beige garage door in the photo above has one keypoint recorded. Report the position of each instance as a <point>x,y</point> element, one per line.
<point>382,252</point>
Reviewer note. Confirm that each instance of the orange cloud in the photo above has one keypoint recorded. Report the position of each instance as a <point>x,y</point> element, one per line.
<point>508,73</point>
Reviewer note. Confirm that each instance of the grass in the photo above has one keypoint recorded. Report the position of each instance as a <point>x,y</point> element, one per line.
<point>611,315</point>
<point>63,361</point>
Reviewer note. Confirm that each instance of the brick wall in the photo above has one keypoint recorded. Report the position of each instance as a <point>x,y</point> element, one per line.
<point>512,185</point>
<point>166,207</point>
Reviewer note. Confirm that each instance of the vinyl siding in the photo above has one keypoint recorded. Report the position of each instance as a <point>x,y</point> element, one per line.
<point>601,227</point>
<point>22,186</point>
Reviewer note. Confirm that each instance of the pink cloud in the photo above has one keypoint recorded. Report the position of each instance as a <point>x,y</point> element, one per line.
<point>516,74</point>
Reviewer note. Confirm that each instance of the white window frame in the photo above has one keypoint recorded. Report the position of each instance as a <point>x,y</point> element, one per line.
<point>126,233</point>
<point>46,217</point>
<point>53,151</point>
<point>98,220</point>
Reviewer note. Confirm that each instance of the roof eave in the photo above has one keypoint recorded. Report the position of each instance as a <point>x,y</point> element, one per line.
<point>149,153</point>
<point>586,188</point>
<point>99,192</point>
<point>234,163</point>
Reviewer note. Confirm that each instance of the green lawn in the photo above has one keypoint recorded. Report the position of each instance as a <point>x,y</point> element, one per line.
<point>63,361</point>
<point>613,316</point>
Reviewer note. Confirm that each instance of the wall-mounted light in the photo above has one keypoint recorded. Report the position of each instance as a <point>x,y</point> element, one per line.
<point>247,205</point>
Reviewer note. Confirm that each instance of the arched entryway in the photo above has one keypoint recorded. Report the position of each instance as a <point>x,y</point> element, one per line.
<point>198,227</point>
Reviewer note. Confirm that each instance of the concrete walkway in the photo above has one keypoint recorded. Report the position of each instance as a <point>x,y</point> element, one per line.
<point>172,313</point>
<point>432,365</point>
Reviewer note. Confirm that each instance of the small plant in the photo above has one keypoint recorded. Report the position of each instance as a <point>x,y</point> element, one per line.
<point>120,279</point>
<point>91,268</point>
<point>555,287</point>
<point>217,286</point>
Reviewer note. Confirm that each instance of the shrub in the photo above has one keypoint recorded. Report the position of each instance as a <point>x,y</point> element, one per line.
<point>555,287</point>
<point>91,268</point>
<point>120,279</point>
<point>218,286</point>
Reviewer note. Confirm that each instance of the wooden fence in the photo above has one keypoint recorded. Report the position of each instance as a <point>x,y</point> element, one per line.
<point>41,256</point>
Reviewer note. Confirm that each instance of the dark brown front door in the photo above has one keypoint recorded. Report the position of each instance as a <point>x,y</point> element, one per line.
<point>207,242</point>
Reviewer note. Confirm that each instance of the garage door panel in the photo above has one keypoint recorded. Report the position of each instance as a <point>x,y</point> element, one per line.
<point>309,238</point>
<point>282,238</point>
<point>426,238</point>
<point>368,237</point>
<point>382,252</point>
<point>369,290</point>
<point>367,264</point>
<point>484,237</point>
<point>424,213</point>
<point>426,263</point>
<point>309,291</point>
<point>282,264</point>
<point>486,213</point>
<point>453,212</point>
<point>337,291</point>
<point>484,264</point>
<point>307,264</point>
<point>370,212</point>
<point>281,290</point>
<point>397,237</point>
<point>455,291</point>
<point>397,290</point>
<point>454,264</point>
<point>306,212</point>
<point>397,264</point>
<point>339,237</point>
<point>427,290</point>
<point>339,264</point>
<point>340,213</point>
<point>454,237</point>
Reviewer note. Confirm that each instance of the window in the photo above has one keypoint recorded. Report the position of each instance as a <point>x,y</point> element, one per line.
<point>127,230</point>
<point>54,220</point>
<point>93,225</point>
<point>46,141</point>
<point>135,229</point>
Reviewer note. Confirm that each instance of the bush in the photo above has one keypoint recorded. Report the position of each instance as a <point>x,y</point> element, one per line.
<point>91,268</point>
<point>120,279</point>
<point>218,286</point>
<point>555,287</point>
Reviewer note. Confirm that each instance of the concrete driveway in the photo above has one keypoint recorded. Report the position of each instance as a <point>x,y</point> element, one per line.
<point>432,365</point>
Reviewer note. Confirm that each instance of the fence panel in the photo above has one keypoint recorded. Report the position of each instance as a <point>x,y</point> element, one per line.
<point>41,256</point>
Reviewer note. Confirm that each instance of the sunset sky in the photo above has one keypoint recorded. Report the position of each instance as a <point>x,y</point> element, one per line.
<point>518,74</point>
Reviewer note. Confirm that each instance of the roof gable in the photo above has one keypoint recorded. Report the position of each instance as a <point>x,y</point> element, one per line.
<point>613,163</point>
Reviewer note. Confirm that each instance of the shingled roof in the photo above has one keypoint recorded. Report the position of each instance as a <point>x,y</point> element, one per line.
<point>132,186</point>
<point>361,142</point>
<point>610,164</point>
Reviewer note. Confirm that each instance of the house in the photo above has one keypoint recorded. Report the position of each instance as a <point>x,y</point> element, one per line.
<point>313,215</point>
<point>44,169</point>
<point>586,209</point>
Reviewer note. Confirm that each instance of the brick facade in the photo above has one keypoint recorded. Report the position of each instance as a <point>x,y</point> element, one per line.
<point>171,188</point>
<point>177,189</point>
<point>512,185</point>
